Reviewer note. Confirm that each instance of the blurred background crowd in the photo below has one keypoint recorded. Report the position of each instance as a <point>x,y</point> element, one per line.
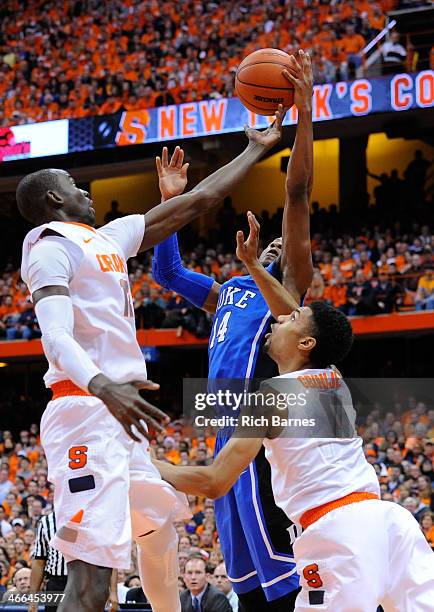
<point>398,442</point>
<point>74,58</point>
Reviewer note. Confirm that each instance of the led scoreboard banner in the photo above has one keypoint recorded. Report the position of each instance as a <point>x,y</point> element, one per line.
<point>34,140</point>
<point>341,100</point>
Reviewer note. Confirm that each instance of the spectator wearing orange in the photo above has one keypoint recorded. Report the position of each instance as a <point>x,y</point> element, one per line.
<point>366,264</point>
<point>7,307</point>
<point>376,18</point>
<point>347,265</point>
<point>335,293</point>
<point>352,44</point>
<point>170,451</point>
<point>427,527</point>
<point>316,290</point>
<point>424,298</point>
<point>112,105</point>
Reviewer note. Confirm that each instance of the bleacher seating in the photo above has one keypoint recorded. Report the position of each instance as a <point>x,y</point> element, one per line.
<point>77,58</point>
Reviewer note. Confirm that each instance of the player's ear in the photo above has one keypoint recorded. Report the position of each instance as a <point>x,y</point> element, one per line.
<point>54,199</point>
<point>306,343</point>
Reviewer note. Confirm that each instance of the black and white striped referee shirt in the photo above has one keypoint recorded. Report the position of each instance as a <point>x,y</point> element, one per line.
<point>55,564</point>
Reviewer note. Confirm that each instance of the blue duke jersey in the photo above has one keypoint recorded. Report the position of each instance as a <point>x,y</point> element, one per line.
<point>241,321</point>
<point>256,536</point>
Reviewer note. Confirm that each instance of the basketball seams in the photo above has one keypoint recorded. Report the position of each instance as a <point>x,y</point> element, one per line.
<point>241,67</point>
<point>265,86</point>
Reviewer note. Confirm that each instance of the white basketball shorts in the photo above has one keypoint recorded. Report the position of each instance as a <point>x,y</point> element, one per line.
<point>363,555</point>
<point>107,490</point>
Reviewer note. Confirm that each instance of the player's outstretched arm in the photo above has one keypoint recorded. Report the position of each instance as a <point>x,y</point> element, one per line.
<point>166,219</point>
<point>167,266</point>
<point>296,261</point>
<point>213,480</point>
<point>279,300</point>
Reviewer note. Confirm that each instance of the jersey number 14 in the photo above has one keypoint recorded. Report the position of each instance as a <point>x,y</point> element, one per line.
<point>219,329</point>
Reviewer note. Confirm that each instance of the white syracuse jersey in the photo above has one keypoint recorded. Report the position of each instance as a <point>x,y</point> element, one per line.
<point>93,264</point>
<point>107,491</point>
<point>355,552</point>
<point>309,472</point>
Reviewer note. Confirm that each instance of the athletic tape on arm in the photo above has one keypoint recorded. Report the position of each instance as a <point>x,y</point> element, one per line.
<point>56,321</point>
<point>169,272</point>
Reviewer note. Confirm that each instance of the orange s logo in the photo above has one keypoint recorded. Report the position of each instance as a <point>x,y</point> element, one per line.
<point>132,127</point>
<point>77,457</point>
<point>311,576</point>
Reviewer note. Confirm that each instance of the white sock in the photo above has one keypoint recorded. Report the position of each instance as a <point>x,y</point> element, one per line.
<point>157,556</point>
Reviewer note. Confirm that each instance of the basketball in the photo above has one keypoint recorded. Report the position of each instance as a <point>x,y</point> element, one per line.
<point>260,84</point>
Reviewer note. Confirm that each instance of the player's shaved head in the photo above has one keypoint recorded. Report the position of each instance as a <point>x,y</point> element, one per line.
<point>32,192</point>
<point>52,195</point>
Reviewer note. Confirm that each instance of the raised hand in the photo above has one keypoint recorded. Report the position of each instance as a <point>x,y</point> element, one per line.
<point>172,176</point>
<point>301,77</point>
<point>247,250</point>
<point>271,136</point>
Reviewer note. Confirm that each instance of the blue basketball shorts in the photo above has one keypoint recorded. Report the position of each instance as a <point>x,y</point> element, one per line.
<point>255,535</point>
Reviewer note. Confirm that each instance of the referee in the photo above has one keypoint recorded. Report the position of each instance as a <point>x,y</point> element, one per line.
<point>48,563</point>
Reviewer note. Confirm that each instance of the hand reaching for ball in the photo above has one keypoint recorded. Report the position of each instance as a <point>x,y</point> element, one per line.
<point>172,176</point>
<point>247,250</point>
<point>271,136</point>
<point>300,76</point>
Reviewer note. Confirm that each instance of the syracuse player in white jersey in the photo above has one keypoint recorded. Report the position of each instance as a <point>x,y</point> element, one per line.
<point>93,430</point>
<point>355,552</point>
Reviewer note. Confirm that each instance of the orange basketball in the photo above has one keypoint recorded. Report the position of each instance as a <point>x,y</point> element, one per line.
<point>260,84</point>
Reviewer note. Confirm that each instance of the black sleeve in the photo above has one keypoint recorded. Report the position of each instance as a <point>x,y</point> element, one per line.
<point>41,548</point>
<point>136,595</point>
<point>220,603</point>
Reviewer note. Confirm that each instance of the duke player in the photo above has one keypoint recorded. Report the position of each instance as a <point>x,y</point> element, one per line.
<point>355,552</point>
<point>94,437</point>
<point>256,536</point>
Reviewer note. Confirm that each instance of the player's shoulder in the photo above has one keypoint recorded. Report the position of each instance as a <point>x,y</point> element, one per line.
<point>126,232</point>
<point>53,233</point>
<point>48,256</point>
<point>238,281</point>
<point>246,281</point>
<point>52,245</point>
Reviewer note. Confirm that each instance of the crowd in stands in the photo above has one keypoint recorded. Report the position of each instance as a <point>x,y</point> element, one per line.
<point>75,58</point>
<point>398,442</point>
<point>373,272</point>
<point>377,267</point>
